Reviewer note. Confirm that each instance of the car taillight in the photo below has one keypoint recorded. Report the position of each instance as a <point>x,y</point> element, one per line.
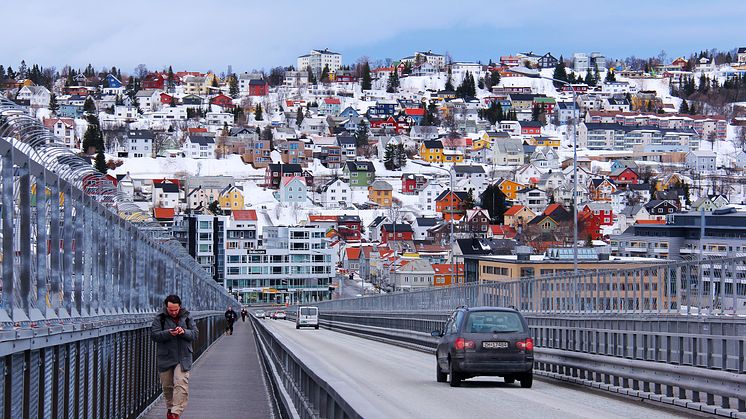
<point>526,345</point>
<point>462,344</point>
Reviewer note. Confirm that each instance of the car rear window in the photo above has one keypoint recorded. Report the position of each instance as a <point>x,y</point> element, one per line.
<point>307,311</point>
<point>494,322</point>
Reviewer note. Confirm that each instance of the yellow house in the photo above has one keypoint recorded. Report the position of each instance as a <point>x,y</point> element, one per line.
<point>231,198</point>
<point>453,156</point>
<point>381,192</point>
<point>509,188</point>
<point>482,142</point>
<point>669,181</point>
<point>541,141</point>
<point>518,215</point>
<point>432,151</point>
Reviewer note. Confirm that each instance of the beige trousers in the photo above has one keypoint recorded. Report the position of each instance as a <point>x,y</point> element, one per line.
<point>175,384</point>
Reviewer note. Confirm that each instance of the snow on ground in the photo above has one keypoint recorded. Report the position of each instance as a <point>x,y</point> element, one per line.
<point>169,167</point>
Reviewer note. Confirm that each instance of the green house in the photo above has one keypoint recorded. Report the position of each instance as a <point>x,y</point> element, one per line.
<point>361,173</point>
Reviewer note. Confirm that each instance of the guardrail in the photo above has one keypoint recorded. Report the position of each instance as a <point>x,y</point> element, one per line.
<point>647,358</point>
<point>307,394</point>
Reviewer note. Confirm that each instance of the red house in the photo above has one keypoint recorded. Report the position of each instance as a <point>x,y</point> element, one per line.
<point>530,128</point>
<point>222,100</point>
<point>349,227</point>
<point>398,232</point>
<point>624,176</point>
<point>166,99</point>
<point>258,88</point>
<point>593,215</point>
<point>389,122</point>
<point>154,81</point>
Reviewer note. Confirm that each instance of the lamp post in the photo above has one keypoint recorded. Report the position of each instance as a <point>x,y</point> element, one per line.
<point>450,175</point>
<point>529,72</point>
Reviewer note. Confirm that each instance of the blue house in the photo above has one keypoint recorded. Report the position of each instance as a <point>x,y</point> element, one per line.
<point>70,111</point>
<point>382,110</point>
<point>113,82</point>
<point>349,112</point>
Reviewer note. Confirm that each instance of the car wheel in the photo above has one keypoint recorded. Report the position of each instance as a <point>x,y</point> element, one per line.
<point>454,378</point>
<point>440,376</point>
<point>527,380</point>
<point>509,380</point>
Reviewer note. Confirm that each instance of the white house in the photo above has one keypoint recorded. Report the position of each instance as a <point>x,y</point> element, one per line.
<point>701,160</point>
<point>139,143</point>
<point>526,173</point>
<point>293,190</point>
<point>176,113</point>
<point>459,70</point>
<point>126,187</point>
<point>545,158</point>
<point>533,199</point>
<point>413,274</point>
<point>127,113</point>
<point>149,99</point>
<point>741,159</point>
<point>507,152</point>
<point>199,147</point>
<point>335,194</point>
<point>511,127</point>
<point>421,225</point>
<point>64,129</point>
<point>428,195</point>
<point>474,173</point>
<point>165,195</point>
<point>316,126</point>
<point>37,96</point>
<point>219,119</point>
<point>423,133</point>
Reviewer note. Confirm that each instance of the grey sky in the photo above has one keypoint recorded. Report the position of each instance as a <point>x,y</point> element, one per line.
<point>210,35</point>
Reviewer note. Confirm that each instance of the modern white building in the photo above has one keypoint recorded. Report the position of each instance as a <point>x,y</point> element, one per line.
<point>317,59</point>
<point>199,147</point>
<point>139,143</point>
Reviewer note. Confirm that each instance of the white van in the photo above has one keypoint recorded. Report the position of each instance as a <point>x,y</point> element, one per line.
<point>307,317</point>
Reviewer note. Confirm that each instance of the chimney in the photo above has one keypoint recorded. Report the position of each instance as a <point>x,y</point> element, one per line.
<point>523,253</point>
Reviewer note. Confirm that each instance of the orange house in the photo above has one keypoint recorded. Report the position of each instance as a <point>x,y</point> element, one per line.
<point>444,277</point>
<point>451,205</point>
<point>509,188</point>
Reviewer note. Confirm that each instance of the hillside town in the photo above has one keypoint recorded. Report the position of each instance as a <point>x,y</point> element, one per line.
<point>399,174</point>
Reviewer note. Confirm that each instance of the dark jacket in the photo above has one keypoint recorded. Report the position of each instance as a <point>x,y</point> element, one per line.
<point>231,316</point>
<point>173,350</point>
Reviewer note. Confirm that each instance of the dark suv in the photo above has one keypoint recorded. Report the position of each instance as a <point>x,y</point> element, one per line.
<point>485,341</point>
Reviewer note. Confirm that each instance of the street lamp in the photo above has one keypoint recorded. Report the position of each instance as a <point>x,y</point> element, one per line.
<point>529,72</point>
<point>450,175</point>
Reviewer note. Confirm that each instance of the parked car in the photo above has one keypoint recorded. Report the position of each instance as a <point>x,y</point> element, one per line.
<point>278,315</point>
<point>491,341</point>
<point>260,314</point>
<point>307,317</point>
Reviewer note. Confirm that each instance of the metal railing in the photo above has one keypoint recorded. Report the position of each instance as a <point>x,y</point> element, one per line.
<point>81,283</point>
<point>708,287</point>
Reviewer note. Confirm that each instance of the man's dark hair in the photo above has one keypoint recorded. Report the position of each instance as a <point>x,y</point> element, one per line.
<point>173,299</point>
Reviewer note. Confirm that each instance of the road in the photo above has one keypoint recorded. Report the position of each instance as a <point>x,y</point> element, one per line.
<point>384,381</point>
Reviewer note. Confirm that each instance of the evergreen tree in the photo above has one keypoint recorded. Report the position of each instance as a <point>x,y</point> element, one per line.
<point>401,156</point>
<point>560,73</point>
<point>233,83</point>
<point>367,82</point>
<point>101,162</point>
<point>389,157</point>
<point>2,72</point>
<point>325,74</point>
<point>311,76</point>
<point>361,135</point>
<point>469,201</point>
<point>299,116</point>
<point>493,200</point>
<point>215,81</point>
<point>610,77</point>
<point>596,73</point>
<point>23,70</point>
<point>93,138</point>
<point>11,74</point>
<point>393,82</point>
<point>449,82</point>
<point>170,79</point>
<point>687,196</point>
<point>53,105</point>
<point>684,108</point>
<point>589,80</point>
<point>258,113</point>
<point>480,84</point>
<point>267,135</point>
<point>535,112</point>
<point>89,106</point>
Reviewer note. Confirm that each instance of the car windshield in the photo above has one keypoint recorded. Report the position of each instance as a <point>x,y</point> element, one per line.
<point>307,311</point>
<point>494,322</point>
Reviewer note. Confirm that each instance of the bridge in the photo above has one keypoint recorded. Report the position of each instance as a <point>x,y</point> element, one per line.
<point>84,271</point>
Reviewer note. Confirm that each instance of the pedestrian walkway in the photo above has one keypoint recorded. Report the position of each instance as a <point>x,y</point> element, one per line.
<point>226,382</point>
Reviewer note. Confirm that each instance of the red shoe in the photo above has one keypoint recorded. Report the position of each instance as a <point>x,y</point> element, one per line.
<point>170,415</point>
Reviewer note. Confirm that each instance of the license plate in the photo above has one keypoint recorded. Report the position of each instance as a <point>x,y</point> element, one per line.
<point>494,345</point>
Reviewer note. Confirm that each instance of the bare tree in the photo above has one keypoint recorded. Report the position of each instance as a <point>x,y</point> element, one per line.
<point>141,71</point>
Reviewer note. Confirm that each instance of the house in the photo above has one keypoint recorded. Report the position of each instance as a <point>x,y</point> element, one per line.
<point>432,151</point>
<point>199,147</point>
<point>275,172</point>
<point>64,129</point>
<point>381,192</point>
<point>293,190</point>
<point>428,195</point>
<point>618,104</point>
<point>139,143</point>
<point>361,173</point>
<point>34,96</point>
<point>600,213</point>
<point>553,216</point>
<point>351,262</point>
<point>444,275</point>
<point>451,204</point>
<point>330,106</point>
<point>231,198</point>
<point>507,152</point>
<point>601,189</point>
<point>413,274</point>
<point>258,87</point>
<point>335,194</point>
<point>396,232</point>
<point>423,133</point>
<point>477,222</point>
<point>545,158</point>
<point>223,101</point>
<point>509,188</point>
<point>348,144</point>
<point>293,152</point>
<point>528,174</point>
<point>415,115</point>
<point>624,163</point>
<point>154,81</point>
<point>421,225</point>
<point>517,216</point>
<point>148,99</point>
<point>659,208</point>
<point>412,184</point>
<point>551,181</point>
<point>547,61</point>
<point>624,176</point>
<point>741,55</point>
<point>165,195</point>
<point>533,198</point>
<point>530,127</point>
<point>701,160</point>
<point>705,204</point>
<point>474,173</point>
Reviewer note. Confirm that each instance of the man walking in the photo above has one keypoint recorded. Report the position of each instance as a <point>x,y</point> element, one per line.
<point>174,331</point>
<point>230,318</point>
<point>244,313</point>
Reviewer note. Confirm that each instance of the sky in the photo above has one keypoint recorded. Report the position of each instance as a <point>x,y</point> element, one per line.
<point>248,34</point>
